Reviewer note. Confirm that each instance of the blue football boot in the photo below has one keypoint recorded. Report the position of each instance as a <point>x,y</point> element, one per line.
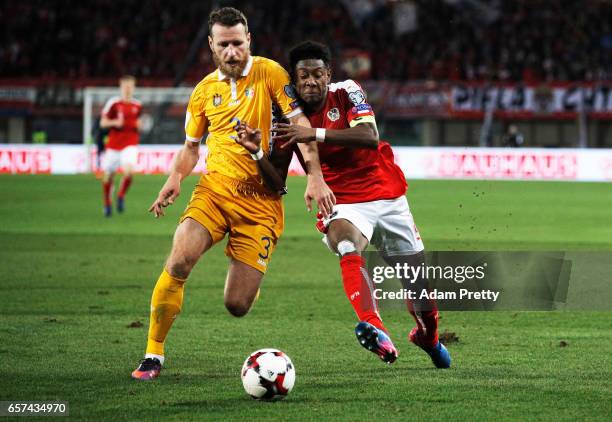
<point>439,354</point>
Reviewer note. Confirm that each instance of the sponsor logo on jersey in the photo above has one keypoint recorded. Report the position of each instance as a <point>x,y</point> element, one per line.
<point>290,92</point>
<point>249,92</point>
<point>333,114</point>
<point>357,97</point>
<point>217,100</point>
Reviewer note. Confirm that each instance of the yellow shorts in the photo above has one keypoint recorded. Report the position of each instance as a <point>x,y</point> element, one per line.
<point>253,217</point>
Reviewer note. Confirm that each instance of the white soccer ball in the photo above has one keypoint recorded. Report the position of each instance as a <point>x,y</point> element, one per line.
<point>268,374</point>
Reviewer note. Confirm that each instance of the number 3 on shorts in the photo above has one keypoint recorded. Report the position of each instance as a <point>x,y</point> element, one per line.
<point>267,242</point>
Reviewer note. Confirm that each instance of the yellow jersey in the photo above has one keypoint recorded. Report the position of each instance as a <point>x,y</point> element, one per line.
<point>218,100</point>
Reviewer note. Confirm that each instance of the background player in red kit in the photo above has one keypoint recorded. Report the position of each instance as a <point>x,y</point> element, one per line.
<point>121,115</point>
<point>370,193</point>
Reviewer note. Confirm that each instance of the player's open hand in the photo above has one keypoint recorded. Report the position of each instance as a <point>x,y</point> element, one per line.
<point>318,191</point>
<point>291,134</point>
<point>248,137</point>
<point>168,193</point>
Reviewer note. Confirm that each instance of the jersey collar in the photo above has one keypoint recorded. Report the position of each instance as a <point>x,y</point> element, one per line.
<point>222,76</point>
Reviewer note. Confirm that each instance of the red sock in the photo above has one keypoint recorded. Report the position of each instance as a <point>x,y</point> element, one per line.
<point>359,290</point>
<point>427,320</point>
<point>125,185</point>
<point>107,187</point>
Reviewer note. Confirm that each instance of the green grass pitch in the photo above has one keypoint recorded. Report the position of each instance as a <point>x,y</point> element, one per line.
<point>72,282</point>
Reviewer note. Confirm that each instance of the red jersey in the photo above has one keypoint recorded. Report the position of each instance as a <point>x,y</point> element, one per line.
<point>355,174</point>
<point>119,138</point>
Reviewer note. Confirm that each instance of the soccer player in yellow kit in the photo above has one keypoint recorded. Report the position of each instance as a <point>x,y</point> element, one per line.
<point>231,198</point>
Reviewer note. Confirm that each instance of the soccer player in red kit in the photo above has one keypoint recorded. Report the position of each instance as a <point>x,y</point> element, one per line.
<point>370,193</point>
<point>121,115</point>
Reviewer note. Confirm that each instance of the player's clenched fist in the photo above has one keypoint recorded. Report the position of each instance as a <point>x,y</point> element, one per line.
<point>168,193</point>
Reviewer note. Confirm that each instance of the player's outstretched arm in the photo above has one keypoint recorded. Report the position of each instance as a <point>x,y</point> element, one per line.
<point>274,168</point>
<point>363,135</point>
<point>316,189</point>
<point>184,163</point>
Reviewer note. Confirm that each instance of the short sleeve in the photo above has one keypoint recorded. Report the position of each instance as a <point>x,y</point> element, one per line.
<point>281,90</point>
<point>195,119</point>
<point>109,110</point>
<point>356,102</point>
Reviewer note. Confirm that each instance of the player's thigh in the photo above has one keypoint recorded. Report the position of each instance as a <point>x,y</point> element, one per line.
<point>129,158</point>
<point>342,229</point>
<point>252,244</point>
<point>204,208</point>
<point>191,240</point>
<point>111,160</point>
<point>256,224</point>
<point>396,232</point>
<point>241,287</point>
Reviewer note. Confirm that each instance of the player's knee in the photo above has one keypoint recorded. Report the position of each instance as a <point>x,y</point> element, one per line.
<point>181,267</point>
<point>346,247</point>
<point>237,308</point>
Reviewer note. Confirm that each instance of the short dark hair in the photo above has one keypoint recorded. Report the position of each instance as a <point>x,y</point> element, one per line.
<point>309,50</point>
<point>227,16</point>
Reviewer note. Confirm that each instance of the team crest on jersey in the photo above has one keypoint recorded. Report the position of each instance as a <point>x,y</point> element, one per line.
<point>357,97</point>
<point>249,92</point>
<point>333,114</point>
<point>290,91</point>
<point>217,100</point>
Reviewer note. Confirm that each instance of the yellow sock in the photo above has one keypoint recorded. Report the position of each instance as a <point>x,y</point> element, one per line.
<point>166,304</point>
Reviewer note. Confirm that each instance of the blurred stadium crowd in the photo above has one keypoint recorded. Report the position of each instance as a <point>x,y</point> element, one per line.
<point>503,40</point>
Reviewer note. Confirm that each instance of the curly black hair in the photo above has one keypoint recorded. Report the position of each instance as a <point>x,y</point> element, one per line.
<point>309,50</point>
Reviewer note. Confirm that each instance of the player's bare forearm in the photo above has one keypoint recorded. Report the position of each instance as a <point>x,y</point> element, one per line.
<point>308,149</point>
<point>186,160</point>
<point>274,178</point>
<point>364,135</point>
<point>316,188</point>
<point>184,163</point>
<point>273,169</point>
<point>312,166</point>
